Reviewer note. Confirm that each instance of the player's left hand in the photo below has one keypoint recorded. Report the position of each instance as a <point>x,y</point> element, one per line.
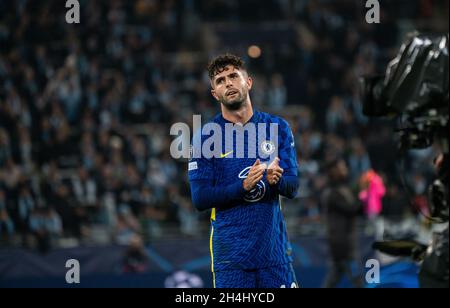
<point>274,172</point>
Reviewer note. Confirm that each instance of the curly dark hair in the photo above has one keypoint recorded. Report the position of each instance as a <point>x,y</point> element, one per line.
<point>218,64</point>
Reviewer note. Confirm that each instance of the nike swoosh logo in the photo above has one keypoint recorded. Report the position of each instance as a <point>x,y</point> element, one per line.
<point>226,154</point>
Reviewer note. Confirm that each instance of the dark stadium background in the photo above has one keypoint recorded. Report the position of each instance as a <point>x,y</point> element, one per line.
<point>86,110</point>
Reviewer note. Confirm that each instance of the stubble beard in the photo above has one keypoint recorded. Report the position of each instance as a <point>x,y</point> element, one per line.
<point>235,103</point>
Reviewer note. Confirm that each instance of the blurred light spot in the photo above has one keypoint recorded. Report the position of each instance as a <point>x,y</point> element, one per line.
<point>254,51</point>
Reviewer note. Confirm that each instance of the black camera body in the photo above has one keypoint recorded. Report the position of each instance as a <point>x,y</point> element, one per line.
<point>415,91</point>
<point>415,88</point>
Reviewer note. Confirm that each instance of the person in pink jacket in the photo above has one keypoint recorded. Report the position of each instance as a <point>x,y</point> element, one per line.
<point>372,193</point>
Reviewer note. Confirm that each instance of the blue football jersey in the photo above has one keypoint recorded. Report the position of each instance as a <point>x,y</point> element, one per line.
<point>248,230</point>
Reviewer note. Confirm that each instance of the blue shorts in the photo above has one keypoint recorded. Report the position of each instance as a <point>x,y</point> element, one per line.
<point>279,276</point>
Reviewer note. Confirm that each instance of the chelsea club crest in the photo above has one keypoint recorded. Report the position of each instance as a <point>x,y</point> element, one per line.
<point>267,147</point>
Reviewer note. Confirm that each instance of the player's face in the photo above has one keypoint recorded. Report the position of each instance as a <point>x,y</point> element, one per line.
<point>230,87</point>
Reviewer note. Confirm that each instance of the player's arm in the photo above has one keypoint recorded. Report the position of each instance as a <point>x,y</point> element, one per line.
<point>205,195</point>
<point>288,184</point>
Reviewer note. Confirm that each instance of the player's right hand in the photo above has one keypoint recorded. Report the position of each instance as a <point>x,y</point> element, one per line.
<point>254,175</point>
<point>274,172</point>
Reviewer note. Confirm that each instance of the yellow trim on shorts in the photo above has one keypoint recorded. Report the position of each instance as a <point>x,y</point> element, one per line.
<point>211,249</point>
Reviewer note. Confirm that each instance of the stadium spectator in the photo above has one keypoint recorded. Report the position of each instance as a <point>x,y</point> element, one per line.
<point>342,209</point>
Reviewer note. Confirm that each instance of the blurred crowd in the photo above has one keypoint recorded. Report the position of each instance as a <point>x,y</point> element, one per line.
<point>86,109</point>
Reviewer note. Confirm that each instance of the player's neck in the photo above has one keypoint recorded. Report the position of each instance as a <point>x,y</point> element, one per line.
<point>242,115</point>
